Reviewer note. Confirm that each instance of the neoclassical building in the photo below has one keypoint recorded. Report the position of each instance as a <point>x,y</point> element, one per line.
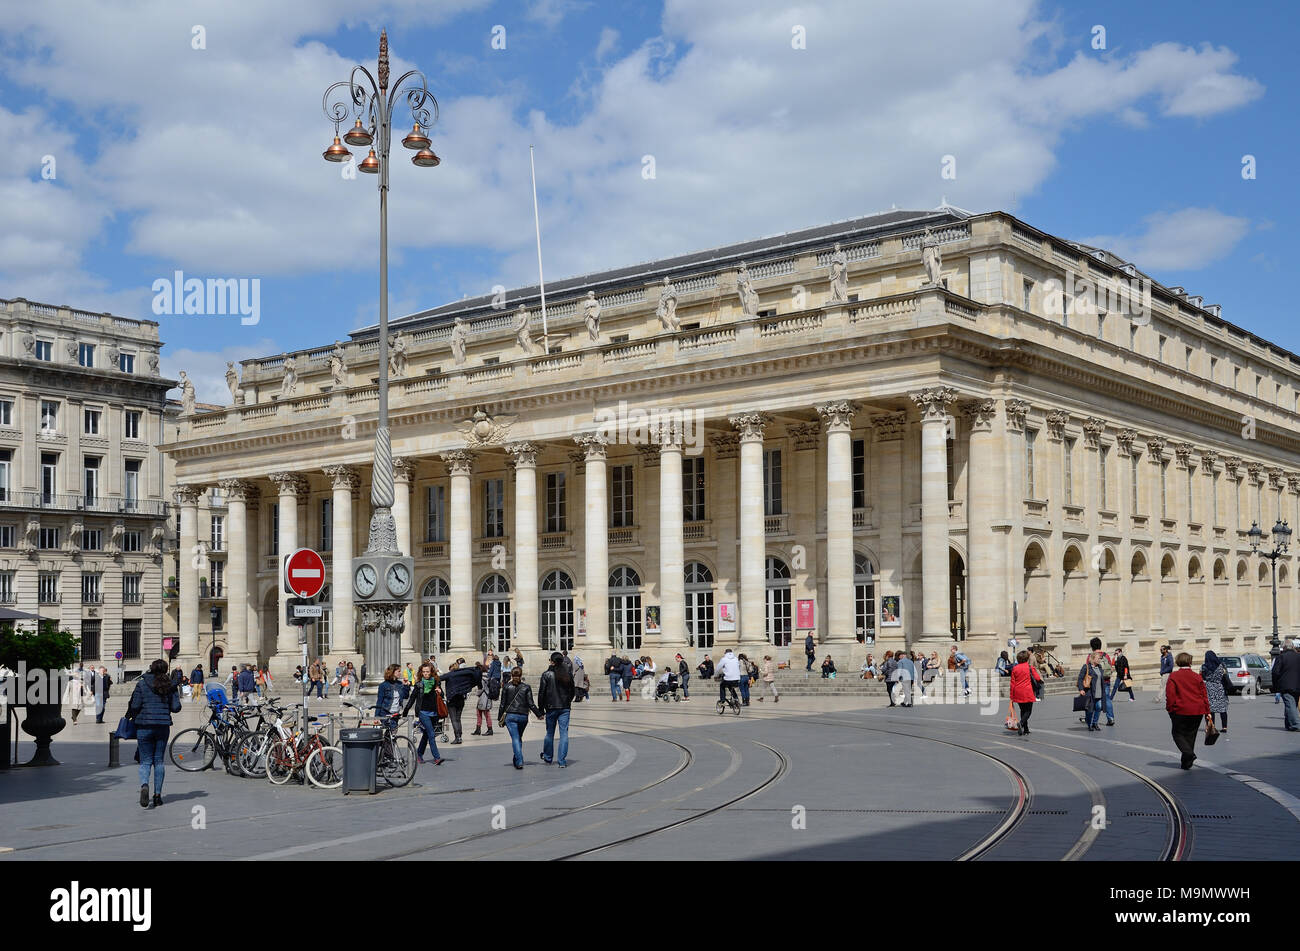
<point>903,429</point>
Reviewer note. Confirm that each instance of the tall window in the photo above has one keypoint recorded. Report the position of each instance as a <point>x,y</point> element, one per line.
<point>326,525</point>
<point>1133,480</point>
<point>435,617</point>
<point>556,502</point>
<point>1105,464</point>
<point>1031,436</point>
<point>699,605</point>
<point>6,464</point>
<point>494,613</point>
<point>1068,461</point>
<point>6,587</point>
<point>625,609</point>
<point>131,484</point>
<point>219,533</point>
<point>772,494</point>
<point>47,539</point>
<point>131,589</point>
<point>90,588</point>
<point>133,541</point>
<point>91,481</point>
<point>45,350</point>
<point>621,509</point>
<point>131,424</point>
<point>90,640</point>
<point>131,639</point>
<point>86,355</point>
<point>435,529</point>
<point>218,569</point>
<point>1214,497</point>
<point>1191,494</point>
<point>859,473</point>
<point>864,598</point>
<point>126,362</point>
<point>1164,489</point>
<point>275,529</point>
<point>779,621</point>
<point>6,412</point>
<point>49,477</point>
<point>556,616</point>
<point>1026,294</point>
<point>47,587</point>
<point>49,416</point>
<point>494,508</point>
<point>1101,326</point>
<point>693,489</point>
<point>950,467</point>
<point>92,539</point>
<point>92,417</point>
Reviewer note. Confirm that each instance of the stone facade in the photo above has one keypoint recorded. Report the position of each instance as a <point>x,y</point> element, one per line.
<point>1024,441</point>
<point>82,484</point>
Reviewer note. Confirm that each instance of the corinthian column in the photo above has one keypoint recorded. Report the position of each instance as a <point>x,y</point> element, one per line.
<point>753,537</point>
<point>191,559</point>
<point>460,463</point>
<point>935,593</point>
<point>596,536</point>
<point>403,476</point>
<point>526,633</point>
<point>983,491</point>
<point>290,486</point>
<point>840,613</point>
<point>237,492</point>
<point>672,593</point>
<point>346,481</point>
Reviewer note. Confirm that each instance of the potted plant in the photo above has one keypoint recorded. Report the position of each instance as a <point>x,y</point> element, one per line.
<point>171,591</point>
<point>203,587</point>
<point>49,651</point>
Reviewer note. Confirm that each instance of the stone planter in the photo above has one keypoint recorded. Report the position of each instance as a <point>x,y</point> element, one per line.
<point>42,722</point>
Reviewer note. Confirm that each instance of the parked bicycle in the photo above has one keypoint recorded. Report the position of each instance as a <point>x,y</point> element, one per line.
<point>304,754</point>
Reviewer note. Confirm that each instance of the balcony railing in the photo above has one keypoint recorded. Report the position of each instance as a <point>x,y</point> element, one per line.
<point>433,550</point>
<point>775,524</point>
<point>554,541</point>
<point>6,597</point>
<point>695,531</point>
<point>48,598</point>
<point>91,597</point>
<point>129,598</point>
<point>108,505</point>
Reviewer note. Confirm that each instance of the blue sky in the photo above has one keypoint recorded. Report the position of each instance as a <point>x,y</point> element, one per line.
<point>208,160</point>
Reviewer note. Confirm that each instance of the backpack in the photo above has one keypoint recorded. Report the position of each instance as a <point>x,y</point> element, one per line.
<point>1107,668</point>
<point>494,688</point>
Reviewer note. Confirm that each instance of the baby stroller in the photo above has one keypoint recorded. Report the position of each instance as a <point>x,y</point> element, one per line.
<point>663,691</point>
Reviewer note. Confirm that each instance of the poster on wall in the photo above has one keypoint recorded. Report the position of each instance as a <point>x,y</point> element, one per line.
<point>726,616</point>
<point>805,614</point>
<point>891,611</point>
<point>582,620</point>
<point>652,619</point>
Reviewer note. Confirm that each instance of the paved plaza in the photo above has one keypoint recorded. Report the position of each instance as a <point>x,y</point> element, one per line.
<point>812,778</point>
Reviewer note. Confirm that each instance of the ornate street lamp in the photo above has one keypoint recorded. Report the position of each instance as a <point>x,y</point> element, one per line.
<point>1281,542</point>
<point>382,575</point>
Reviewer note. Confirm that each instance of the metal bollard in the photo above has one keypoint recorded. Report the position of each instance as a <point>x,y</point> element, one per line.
<point>113,740</point>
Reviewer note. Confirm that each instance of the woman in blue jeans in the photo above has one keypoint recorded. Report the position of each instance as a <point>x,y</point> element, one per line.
<point>425,694</point>
<point>152,704</point>
<point>516,704</point>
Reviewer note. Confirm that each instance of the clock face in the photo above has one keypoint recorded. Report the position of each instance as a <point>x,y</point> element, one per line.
<point>365,580</point>
<point>399,580</point>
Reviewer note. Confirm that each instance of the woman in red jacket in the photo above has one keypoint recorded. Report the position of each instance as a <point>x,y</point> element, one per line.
<point>1023,676</point>
<point>1188,704</point>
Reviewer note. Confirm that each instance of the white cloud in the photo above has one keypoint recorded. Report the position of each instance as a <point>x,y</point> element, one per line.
<point>1182,240</point>
<point>551,12</point>
<point>608,40</point>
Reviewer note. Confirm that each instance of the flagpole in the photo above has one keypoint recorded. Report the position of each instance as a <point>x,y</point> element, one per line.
<point>537,225</point>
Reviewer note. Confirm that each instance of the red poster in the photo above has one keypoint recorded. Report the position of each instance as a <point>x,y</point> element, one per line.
<point>806,614</point>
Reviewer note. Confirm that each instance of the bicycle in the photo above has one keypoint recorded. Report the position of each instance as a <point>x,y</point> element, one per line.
<point>197,748</point>
<point>396,764</point>
<point>306,753</point>
<point>728,702</point>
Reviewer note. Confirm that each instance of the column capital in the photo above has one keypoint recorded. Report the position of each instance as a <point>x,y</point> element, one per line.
<point>1128,439</point>
<point>1156,447</point>
<point>289,483</point>
<point>1256,472</point>
<point>750,425</point>
<point>238,490</point>
<point>667,435</point>
<point>1232,466</point>
<point>1208,460</point>
<point>404,470</point>
<point>579,460</point>
<point>592,444</point>
<point>889,426</point>
<point>1275,478</point>
<point>837,416</point>
<point>1057,420</point>
<point>1184,450</point>
<point>344,477</point>
<point>1093,427</point>
<point>187,495</point>
<point>523,453</point>
<point>807,435</point>
<point>1293,483</point>
<point>460,462</point>
<point>980,412</point>
<point>725,445</point>
<point>933,401</point>
<point>1016,412</point>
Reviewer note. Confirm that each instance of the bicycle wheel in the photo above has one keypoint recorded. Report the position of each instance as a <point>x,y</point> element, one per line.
<point>281,763</point>
<point>398,767</point>
<point>325,767</point>
<point>251,751</point>
<point>193,750</point>
<point>722,707</point>
<point>735,708</point>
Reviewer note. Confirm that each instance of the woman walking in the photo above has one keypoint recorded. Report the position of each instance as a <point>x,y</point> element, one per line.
<point>483,705</point>
<point>1215,674</point>
<point>76,695</point>
<point>425,694</point>
<point>745,676</point>
<point>1123,673</point>
<point>628,670</point>
<point>152,704</point>
<point>1188,704</point>
<point>906,677</point>
<point>1023,692</point>
<point>516,703</point>
<point>769,678</point>
<point>1089,685</point>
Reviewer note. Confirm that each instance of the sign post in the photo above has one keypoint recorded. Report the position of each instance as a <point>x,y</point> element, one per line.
<point>303,575</point>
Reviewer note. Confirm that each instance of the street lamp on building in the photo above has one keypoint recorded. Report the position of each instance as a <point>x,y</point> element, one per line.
<point>1281,542</point>
<point>382,574</point>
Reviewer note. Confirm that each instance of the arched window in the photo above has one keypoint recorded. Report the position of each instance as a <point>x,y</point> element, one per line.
<point>1241,572</point>
<point>1168,569</point>
<point>1263,572</point>
<point>779,621</point>
<point>556,627</point>
<point>864,598</point>
<point>1072,562</point>
<point>1138,566</point>
<point>1194,569</point>
<point>625,609</point>
<point>435,618</point>
<point>494,613</point>
<point>699,605</point>
<point>1220,570</point>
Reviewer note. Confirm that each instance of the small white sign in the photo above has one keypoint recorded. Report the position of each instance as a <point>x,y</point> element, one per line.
<point>306,610</point>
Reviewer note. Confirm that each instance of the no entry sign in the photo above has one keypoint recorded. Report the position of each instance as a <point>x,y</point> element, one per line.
<point>304,573</point>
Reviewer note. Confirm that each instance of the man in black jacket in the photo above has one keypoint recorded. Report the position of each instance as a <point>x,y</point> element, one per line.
<point>684,675</point>
<point>810,651</point>
<point>456,685</point>
<point>706,668</point>
<point>555,697</point>
<point>1286,681</point>
<point>614,671</point>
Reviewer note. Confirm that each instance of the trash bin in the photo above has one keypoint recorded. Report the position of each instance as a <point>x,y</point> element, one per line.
<point>360,758</point>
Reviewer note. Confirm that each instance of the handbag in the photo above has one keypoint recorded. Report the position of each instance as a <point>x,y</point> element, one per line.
<point>442,704</point>
<point>1080,703</point>
<point>125,729</point>
<point>1211,731</point>
<point>1012,722</point>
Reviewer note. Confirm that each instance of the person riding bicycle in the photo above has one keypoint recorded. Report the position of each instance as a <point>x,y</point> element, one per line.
<point>729,671</point>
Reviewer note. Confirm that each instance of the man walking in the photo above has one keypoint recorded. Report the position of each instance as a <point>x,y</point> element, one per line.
<point>316,678</point>
<point>101,698</point>
<point>614,670</point>
<point>247,684</point>
<point>810,651</point>
<point>456,684</point>
<point>1286,683</point>
<point>1166,668</point>
<point>555,697</point>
